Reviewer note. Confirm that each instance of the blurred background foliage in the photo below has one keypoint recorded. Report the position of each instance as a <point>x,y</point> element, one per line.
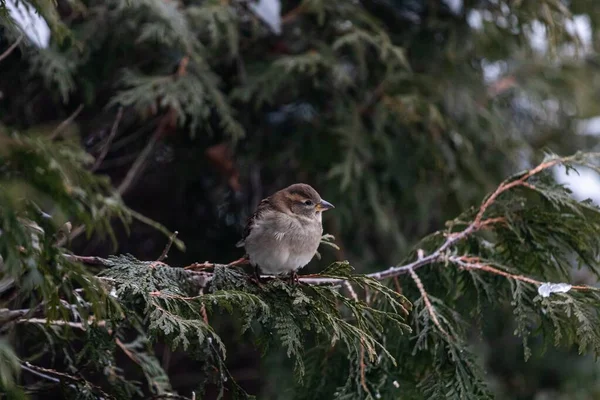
<point>402,113</point>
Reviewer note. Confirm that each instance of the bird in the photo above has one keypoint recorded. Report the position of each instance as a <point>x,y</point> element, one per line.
<point>284,232</point>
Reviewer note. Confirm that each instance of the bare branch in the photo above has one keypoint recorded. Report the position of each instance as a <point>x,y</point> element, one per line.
<point>41,375</point>
<point>426,300</point>
<point>7,315</point>
<point>91,260</point>
<point>56,376</point>
<point>59,129</point>
<point>168,247</point>
<point>77,325</point>
<point>111,136</point>
<point>11,48</point>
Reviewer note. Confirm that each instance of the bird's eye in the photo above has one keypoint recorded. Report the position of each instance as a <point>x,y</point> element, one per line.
<point>308,203</point>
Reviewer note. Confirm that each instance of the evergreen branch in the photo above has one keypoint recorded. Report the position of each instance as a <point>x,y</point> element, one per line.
<point>13,46</point>
<point>465,262</point>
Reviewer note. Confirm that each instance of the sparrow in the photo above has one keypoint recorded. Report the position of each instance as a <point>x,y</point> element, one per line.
<point>284,232</point>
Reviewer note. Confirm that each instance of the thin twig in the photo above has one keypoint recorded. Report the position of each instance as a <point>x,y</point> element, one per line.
<point>11,48</point>
<point>351,290</point>
<point>363,380</point>
<point>165,252</point>
<point>56,376</point>
<point>426,300</point>
<point>372,98</point>
<point>56,132</point>
<point>140,163</point>
<point>504,186</point>
<point>7,315</point>
<point>42,375</point>
<point>111,136</point>
<point>90,260</point>
<point>127,352</point>
<point>44,321</point>
<point>293,14</point>
<point>203,308</point>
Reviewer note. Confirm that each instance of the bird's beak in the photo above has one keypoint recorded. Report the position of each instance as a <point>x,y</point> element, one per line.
<point>324,206</point>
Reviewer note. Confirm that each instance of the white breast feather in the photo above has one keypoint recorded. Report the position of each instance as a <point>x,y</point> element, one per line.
<point>278,258</point>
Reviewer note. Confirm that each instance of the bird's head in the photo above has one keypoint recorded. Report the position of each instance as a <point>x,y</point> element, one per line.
<point>301,199</point>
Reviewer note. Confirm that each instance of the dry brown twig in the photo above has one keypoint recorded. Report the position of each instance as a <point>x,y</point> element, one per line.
<point>425,296</point>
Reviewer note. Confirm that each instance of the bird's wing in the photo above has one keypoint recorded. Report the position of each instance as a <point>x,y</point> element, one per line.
<point>262,207</point>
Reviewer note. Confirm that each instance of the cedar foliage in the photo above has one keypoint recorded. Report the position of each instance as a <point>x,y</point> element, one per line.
<point>384,101</point>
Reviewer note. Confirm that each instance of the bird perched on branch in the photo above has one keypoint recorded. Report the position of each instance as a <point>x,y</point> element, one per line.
<point>284,232</point>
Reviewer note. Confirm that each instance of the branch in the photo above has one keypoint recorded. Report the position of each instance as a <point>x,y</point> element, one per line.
<point>466,262</point>
<point>7,315</point>
<point>452,238</point>
<point>201,274</point>
<point>293,14</point>
<point>11,48</point>
<point>140,163</point>
<point>425,297</point>
<point>77,325</point>
<point>90,260</point>
<point>58,377</point>
<point>165,252</point>
<point>111,136</point>
<point>42,375</point>
<point>56,132</point>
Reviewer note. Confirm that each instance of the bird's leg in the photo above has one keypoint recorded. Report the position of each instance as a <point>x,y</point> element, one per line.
<point>256,277</point>
<point>293,278</point>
